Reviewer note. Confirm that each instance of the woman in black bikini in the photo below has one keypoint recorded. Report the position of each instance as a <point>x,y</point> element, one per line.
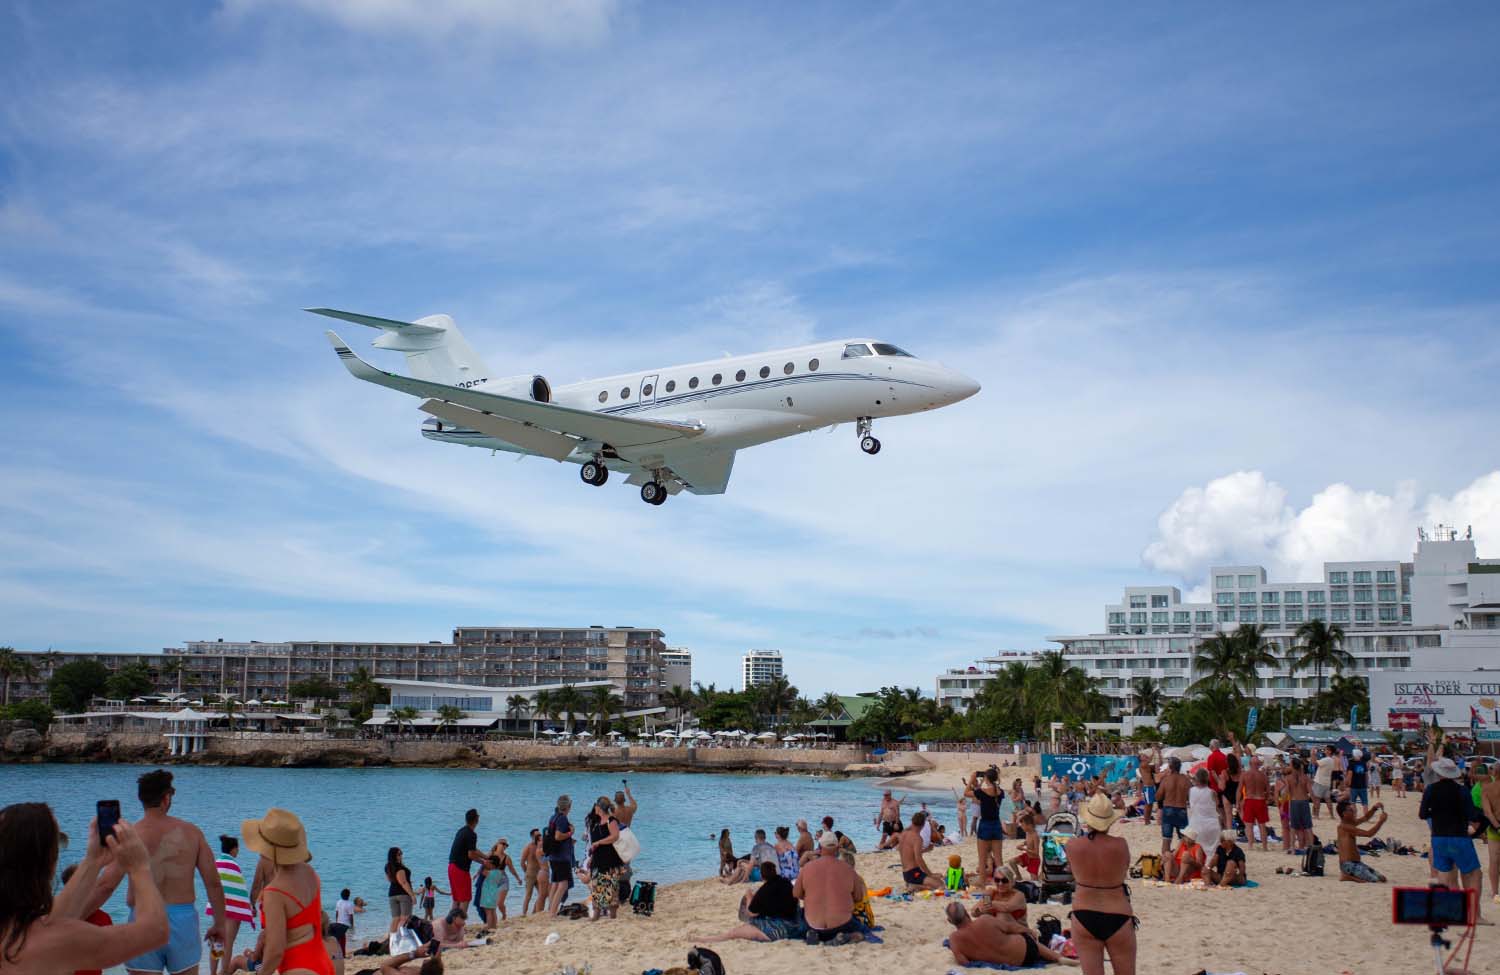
<point>1103,918</point>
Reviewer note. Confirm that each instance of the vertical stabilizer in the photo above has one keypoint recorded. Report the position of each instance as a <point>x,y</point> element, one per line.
<point>435,349</point>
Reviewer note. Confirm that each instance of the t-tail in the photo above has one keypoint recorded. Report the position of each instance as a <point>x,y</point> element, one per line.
<point>435,349</point>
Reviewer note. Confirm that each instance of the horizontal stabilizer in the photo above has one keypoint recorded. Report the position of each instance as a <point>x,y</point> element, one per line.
<point>534,439</point>
<point>409,328</point>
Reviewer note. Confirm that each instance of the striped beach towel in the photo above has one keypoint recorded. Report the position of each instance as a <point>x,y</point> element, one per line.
<point>236,893</point>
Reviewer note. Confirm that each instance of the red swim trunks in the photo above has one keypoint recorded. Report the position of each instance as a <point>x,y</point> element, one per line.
<point>1033,864</point>
<point>458,883</point>
<point>1254,811</point>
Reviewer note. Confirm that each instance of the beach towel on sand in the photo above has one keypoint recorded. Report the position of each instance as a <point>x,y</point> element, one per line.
<point>992,965</point>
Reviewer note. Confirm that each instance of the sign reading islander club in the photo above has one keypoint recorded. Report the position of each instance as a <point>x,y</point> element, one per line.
<point>1457,699</point>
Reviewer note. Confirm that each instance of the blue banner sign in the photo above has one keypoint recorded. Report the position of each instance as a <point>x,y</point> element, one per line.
<point>1251,721</point>
<point>1114,768</point>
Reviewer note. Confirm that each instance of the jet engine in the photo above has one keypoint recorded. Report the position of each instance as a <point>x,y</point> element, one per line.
<point>520,387</point>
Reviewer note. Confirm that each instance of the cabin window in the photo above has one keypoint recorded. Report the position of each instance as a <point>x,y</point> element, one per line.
<point>603,395</point>
<point>671,385</point>
<point>739,377</point>
<point>765,371</point>
<point>717,379</point>
<point>855,350</point>
<point>646,390</point>
<point>787,369</point>
<point>625,393</point>
<point>693,383</point>
<point>882,348</point>
<point>812,365</point>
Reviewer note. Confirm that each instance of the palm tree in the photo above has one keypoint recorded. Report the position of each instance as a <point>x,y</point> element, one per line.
<point>777,695</point>
<point>1218,660</point>
<point>1322,646</point>
<point>12,664</point>
<point>545,704</point>
<point>1255,651</point>
<point>830,705</point>
<point>679,699</point>
<point>603,702</point>
<point>172,667</point>
<point>1146,696</point>
<point>229,705</point>
<point>569,700</point>
<point>517,706</point>
<point>405,715</point>
<point>365,692</point>
<point>449,715</point>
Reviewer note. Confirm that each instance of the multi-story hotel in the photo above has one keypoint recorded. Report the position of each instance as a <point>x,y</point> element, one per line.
<point>677,668</point>
<point>1440,609</point>
<point>761,667</point>
<point>629,657</point>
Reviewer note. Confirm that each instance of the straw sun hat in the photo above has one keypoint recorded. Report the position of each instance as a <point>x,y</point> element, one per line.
<point>278,835</point>
<point>1099,814</point>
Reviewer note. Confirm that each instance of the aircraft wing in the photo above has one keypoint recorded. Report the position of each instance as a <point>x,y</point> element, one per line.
<point>704,471</point>
<point>620,432</point>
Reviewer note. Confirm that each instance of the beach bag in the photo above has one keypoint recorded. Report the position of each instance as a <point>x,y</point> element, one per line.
<point>404,941</point>
<point>419,927</point>
<point>1147,867</point>
<point>576,910</point>
<point>705,962</point>
<point>1047,926</point>
<point>1312,861</point>
<point>549,838</point>
<point>643,897</point>
<point>627,845</point>
<point>1031,891</point>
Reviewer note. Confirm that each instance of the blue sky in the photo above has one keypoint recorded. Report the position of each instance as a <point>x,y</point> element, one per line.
<point>1229,278</point>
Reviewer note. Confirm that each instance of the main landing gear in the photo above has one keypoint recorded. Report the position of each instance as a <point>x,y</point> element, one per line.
<point>594,472</point>
<point>867,443</point>
<point>652,492</point>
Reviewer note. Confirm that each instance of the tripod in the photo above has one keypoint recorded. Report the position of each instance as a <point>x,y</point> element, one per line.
<point>1440,944</point>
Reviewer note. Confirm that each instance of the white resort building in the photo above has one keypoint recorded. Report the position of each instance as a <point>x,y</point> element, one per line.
<point>761,667</point>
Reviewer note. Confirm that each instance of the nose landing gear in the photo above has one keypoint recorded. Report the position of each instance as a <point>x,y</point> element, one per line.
<point>867,443</point>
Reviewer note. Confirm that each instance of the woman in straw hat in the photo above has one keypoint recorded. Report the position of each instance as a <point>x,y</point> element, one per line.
<point>1103,919</point>
<point>291,903</point>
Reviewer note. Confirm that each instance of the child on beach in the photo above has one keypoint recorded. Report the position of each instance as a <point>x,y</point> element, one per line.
<point>429,894</point>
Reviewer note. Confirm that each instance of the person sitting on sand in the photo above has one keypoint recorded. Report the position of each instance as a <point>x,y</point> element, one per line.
<point>828,889</point>
<point>913,868</point>
<point>1186,862</point>
<point>746,868</point>
<point>769,914</point>
<point>1227,868</point>
<point>806,845</point>
<point>727,860</point>
<point>1003,897</point>
<point>1351,868</point>
<point>996,939</point>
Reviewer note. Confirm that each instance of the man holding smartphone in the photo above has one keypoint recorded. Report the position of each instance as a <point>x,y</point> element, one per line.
<point>177,848</point>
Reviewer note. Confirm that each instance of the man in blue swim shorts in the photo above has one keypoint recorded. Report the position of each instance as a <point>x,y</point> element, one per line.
<point>1447,805</point>
<point>1172,794</point>
<point>177,849</point>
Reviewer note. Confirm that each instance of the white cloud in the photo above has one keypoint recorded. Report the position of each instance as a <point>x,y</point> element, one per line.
<point>1244,518</point>
<point>544,21</point>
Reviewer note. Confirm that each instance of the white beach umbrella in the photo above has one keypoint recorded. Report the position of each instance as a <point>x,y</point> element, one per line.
<point>584,734</point>
<point>790,738</point>
<point>253,703</point>
<point>767,736</point>
<point>1266,751</point>
<point>138,700</point>
<point>549,731</point>
<point>668,733</point>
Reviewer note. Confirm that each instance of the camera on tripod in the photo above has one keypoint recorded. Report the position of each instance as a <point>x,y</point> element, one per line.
<point>1435,907</point>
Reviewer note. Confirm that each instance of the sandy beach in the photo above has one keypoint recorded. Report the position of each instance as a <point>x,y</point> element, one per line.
<point>1288,925</point>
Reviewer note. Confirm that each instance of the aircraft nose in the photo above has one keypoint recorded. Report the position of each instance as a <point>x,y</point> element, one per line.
<point>962,386</point>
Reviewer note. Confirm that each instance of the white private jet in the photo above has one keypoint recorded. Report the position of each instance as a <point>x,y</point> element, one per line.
<point>670,429</point>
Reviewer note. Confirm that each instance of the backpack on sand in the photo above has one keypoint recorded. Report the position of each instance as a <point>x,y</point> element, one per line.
<point>705,962</point>
<point>1046,926</point>
<point>1147,867</point>
<point>643,897</point>
<point>1312,861</point>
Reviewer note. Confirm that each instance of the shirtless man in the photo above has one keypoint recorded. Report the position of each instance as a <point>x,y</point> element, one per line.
<point>531,867</point>
<point>177,848</point>
<point>1351,868</point>
<point>1030,856</point>
<point>1150,762</point>
<point>1172,796</point>
<point>1255,813</point>
<point>888,821</point>
<point>828,889</point>
<point>997,939</point>
<point>1298,795</point>
<point>913,868</point>
<point>625,805</point>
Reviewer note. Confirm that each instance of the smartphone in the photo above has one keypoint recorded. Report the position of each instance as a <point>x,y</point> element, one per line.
<point>624,782</point>
<point>107,812</point>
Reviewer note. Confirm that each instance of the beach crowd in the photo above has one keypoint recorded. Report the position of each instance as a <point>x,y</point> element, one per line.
<point>1215,816</point>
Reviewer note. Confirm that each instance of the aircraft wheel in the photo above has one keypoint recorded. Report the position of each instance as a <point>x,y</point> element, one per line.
<point>869,445</point>
<point>593,473</point>
<point>653,493</point>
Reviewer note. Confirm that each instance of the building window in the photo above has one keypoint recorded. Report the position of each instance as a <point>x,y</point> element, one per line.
<point>1223,582</point>
<point>1137,602</point>
<point>1317,613</point>
<point>693,383</point>
<point>1270,615</point>
<point>1226,616</point>
<point>1247,616</point>
<point>1406,614</point>
<point>1316,596</point>
<point>1139,618</point>
<point>739,377</point>
<point>1387,594</point>
<point>1340,614</point>
<point>1385,575</point>
<point>1247,582</point>
<point>1339,596</point>
<point>603,395</point>
<point>812,365</point>
<point>1293,615</point>
<point>625,393</point>
<point>1158,617</point>
<point>1247,599</point>
<point>1362,594</point>
<point>1204,616</point>
<point>1363,614</point>
<point>1292,598</point>
<point>1158,602</point>
<point>1117,617</point>
<point>1269,598</point>
<point>1387,614</point>
<point>717,379</point>
<point>1182,616</point>
<point>1338,578</point>
<point>671,385</point>
<point>1224,598</point>
<point>1361,578</point>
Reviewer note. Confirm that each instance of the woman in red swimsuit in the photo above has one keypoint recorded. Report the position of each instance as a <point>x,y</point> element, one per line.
<point>291,903</point>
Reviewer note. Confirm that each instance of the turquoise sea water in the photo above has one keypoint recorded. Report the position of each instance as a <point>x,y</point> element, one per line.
<point>353,815</point>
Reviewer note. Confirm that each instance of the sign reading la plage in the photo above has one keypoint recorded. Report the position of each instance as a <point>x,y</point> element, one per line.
<point>1402,699</point>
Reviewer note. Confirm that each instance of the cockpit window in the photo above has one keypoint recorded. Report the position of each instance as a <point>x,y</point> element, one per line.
<point>854,351</point>
<point>882,348</point>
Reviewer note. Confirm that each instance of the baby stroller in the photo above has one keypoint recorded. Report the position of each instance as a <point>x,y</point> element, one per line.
<point>1057,876</point>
